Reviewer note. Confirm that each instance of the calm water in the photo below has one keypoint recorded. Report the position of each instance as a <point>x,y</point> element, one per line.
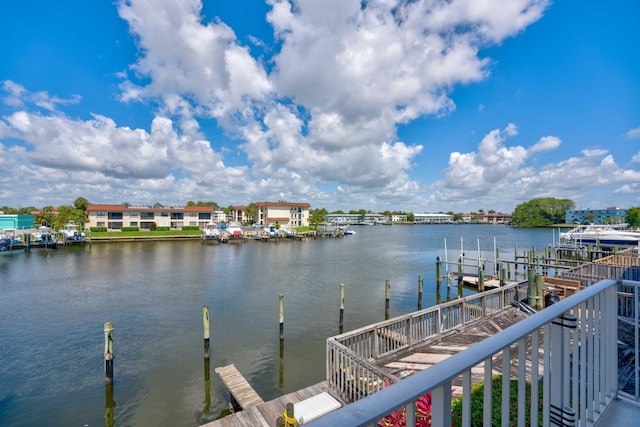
<point>53,305</point>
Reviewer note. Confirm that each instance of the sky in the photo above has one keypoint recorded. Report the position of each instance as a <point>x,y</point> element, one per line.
<point>401,105</point>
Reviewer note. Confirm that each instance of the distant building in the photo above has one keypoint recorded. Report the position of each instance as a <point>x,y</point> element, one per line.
<point>610,215</point>
<point>283,213</point>
<point>494,218</point>
<point>16,221</point>
<point>398,218</point>
<point>432,218</point>
<point>344,218</point>
<point>114,217</point>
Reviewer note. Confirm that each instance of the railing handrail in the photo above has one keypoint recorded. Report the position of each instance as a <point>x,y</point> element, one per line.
<point>385,401</point>
<point>435,308</point>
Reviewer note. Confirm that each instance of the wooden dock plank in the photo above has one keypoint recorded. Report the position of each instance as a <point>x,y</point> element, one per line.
<point>266,414</point>
<point>239,387</point>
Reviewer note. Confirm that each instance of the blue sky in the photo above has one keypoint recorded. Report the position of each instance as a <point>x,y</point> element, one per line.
<point>417,106</point>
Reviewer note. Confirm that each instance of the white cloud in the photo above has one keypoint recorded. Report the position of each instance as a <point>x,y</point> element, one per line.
<point>633,134</point>
<point>323,110</point>
<point>496,173</point>
<point>546,143</point>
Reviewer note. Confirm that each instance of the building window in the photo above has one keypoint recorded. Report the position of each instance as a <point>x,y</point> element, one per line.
<point>134,223</point>
<point>133,213</point>
<point>115,215</point>
<point>146,215</point>
<point>177,215</point>
<point>100,224</point>
<point>204,215</point>
<point>101,213</point>
<point>115,225</point>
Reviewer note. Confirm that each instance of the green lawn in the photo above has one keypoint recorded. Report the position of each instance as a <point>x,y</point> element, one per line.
<point>144,233</point>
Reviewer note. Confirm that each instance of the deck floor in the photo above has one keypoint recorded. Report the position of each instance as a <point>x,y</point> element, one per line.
<point>265,414</point>
<point>449,343</point>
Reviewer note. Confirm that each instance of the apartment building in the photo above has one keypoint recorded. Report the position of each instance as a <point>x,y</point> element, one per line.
<point>114,217</point>
<point>283,213</point>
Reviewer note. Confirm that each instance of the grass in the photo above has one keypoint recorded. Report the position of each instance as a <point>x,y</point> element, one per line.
<point>117,234</point>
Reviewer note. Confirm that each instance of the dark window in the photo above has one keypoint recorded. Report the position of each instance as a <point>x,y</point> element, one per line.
<point>115,215</point>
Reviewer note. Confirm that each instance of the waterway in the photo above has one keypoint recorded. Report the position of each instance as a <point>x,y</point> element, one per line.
<point>53,305</point>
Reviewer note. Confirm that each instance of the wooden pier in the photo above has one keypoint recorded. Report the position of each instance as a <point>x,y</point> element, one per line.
<point>266,414</point>
<point>239,387</point>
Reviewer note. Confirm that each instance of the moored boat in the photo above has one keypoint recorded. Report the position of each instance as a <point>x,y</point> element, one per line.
<point>602,235</point>
<point>71,233</point>
<point>211,231</point>
<point>234,230</point>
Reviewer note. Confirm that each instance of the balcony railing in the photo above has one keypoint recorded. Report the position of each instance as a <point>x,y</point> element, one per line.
<point>350,373</point>
<point>574,362</point>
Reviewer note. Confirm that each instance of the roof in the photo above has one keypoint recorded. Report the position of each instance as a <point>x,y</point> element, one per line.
<point>274,204</point>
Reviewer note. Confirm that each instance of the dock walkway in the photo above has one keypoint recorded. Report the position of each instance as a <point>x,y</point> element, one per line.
<point>239,387</point>
<point>266,414</point>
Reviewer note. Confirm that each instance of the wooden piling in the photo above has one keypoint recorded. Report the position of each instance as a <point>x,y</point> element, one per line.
<point>281,316</point>
<point>480,280</point>
<point>341,324</point>
<point>460,271</point>
<point>108,352</point>
<point>207,384</point>
<point>387,294</point>
<point>205,321</point>
<point>420,291</point>
<point>109,405</point>
<point>438,271</point>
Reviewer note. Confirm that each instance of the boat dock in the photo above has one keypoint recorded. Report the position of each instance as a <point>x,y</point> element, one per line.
<point>239,387</point>
<point>266,414</point>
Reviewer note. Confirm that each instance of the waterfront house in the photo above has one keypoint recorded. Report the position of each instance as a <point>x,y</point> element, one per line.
<point>114,217</point>
<point>283,213</point>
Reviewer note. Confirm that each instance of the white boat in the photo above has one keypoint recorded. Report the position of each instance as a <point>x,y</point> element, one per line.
<point>44,235</point>
<point>71,233</point>
<point>234,230</point>
<point>211,231</point>
<point>602,235</point>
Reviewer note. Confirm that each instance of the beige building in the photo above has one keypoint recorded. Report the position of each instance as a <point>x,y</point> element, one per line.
<point>114,217</point>
<point>283,214</point>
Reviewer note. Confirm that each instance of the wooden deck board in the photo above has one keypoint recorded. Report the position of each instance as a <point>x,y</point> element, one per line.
<point>238,386</point>
<point>266,414</point>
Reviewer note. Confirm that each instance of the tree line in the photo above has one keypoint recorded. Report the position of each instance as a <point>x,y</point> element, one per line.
<point>539,212</point>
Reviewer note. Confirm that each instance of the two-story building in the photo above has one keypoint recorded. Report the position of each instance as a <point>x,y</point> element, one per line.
<point>283,213</point>
<point>114,217</point>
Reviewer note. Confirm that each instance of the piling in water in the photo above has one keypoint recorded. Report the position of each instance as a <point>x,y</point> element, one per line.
<point>281,316</point>
<point>205,321</point>
<point>108,352</point>
<point>341,324</point>
<point>387,294</point>
<point>420,291</point>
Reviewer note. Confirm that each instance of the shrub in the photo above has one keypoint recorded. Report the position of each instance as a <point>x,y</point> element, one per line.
<point>477,399</point>
<point>399,417</point>
<point>163,228</point>
<point>152,226</point>
<point>98,229</point>
<point>130,229</point>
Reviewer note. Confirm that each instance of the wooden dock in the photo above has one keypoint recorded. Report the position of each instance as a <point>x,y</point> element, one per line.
<point>239,387</point>
<point>449,343</point>
<point>266,414</point>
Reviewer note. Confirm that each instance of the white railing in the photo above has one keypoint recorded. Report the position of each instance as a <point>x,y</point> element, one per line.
<point>574,362</point>
<point>350,373</point>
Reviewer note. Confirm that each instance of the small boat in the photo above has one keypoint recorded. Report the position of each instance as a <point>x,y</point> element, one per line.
<point>9,240</point>
<point>602,235</point>
<point>234,230</point>
<point>44,236</point>
<point>211,231</point>
<point>71,233</point>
